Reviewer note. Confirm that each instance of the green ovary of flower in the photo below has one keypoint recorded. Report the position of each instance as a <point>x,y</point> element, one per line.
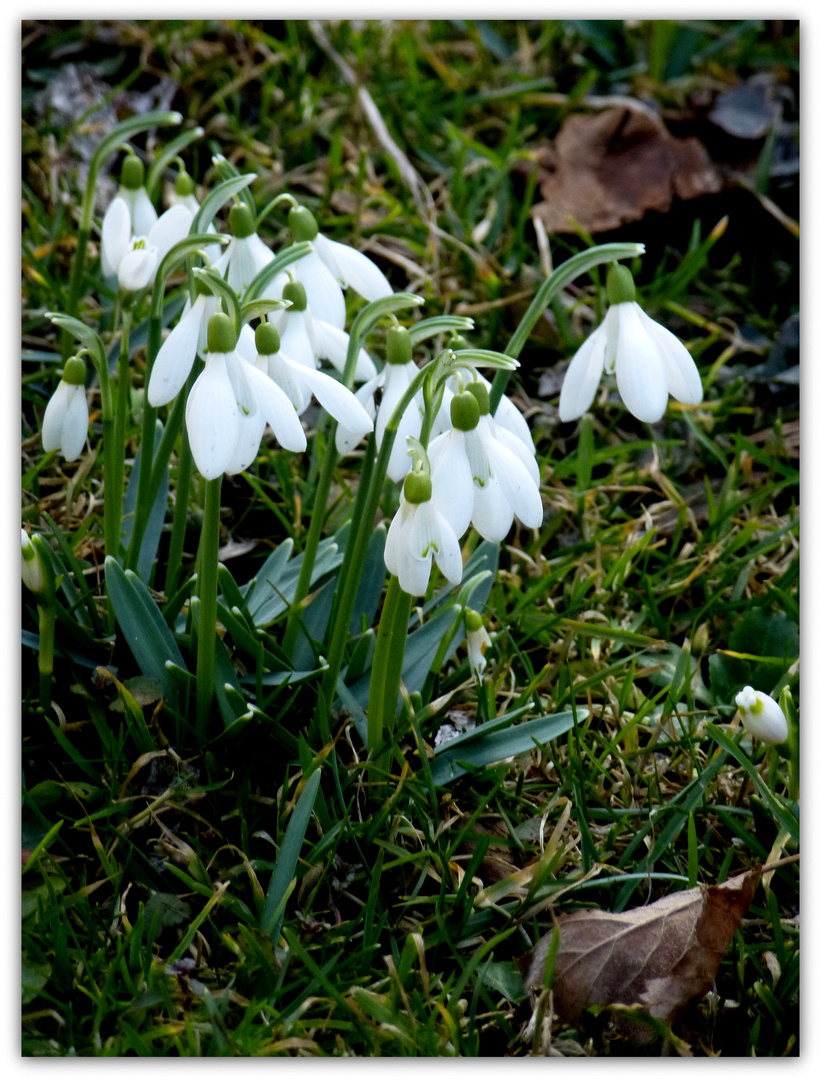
<point>417,488</point>
<point>400,346</point>
<point>241,221</point>
<point>266,338</point>
<point>222,337</point>
<point>620,286</point>
<point>302,224</point>
<point>464,411</point>
<point>133,173</point>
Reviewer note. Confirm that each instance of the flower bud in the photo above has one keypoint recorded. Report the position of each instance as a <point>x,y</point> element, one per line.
<point>222,337</point>
<point>295,292</point>
<point>266,338</point>
<point>762,715</point>
<point>620,286</point>
<point>478,640</point>
<point>464,411</point>
<point>37,570</point>
<point>133,173</point>
<point>400,347</point>
<point>241,221</point>
<point>302,224</point>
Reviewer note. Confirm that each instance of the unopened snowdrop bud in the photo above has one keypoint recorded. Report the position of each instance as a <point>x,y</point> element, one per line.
<point>650,363</point>
<point>65,422</point>
<point>34,574</point>
<point>762,715</point>
<point>478,640</point>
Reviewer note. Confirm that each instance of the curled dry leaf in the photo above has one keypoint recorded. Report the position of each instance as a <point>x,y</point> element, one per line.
<point>609,169</point>
<point>660,957</point>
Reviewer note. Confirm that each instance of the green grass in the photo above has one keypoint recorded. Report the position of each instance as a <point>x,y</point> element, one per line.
<point>664,578</point>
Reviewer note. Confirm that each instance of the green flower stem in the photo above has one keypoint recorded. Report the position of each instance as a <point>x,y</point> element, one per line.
<point>207,582</point>
<point>109,145</point>
<point>389,654</point>
<point>45,655</point>
<point>116,478</point>
<point>578,264</point>
<point>180,519</point>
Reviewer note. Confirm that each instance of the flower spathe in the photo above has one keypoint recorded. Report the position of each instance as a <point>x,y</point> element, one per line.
<point>762,716</point>
<point>65,422</point>
<point>650,363</point>
<point>418,534</point>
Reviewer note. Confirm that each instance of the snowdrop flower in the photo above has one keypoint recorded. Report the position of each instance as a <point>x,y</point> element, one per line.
<point>482,473</point>
<point>478,640</point>
<point>328,269</point>
<point>307,339</point>
<point>32,568</point>
<point>418,534</point>
<point>763,717</point>
<point>246,253</point>
<point>300,382</point>
<point>141,214</point>
<point>392,382</point>
<point>177,353</point>
<point>134,259</point>
<point>65,423</point>
<point>649,361</point>
<point>229,405</point>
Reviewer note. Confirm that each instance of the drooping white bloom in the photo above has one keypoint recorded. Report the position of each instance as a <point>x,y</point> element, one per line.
<point>65,422</point>
<point>229,405</point>
<point>482,473</point>
<point>135,258</point>
<point>478,640</point>
<point>246,253</point>
<point>418,534</point>
<point>31,567</point>
<point>328,268</point>
<point>763,717</point>
<point>308,339</point>
<point>300,382</point>
<point>650,362</point>
<point>392,382</point>
<point>142,216</point>
<point>177,353</point>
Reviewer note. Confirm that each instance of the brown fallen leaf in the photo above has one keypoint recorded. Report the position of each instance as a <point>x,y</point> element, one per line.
<point>660,957</point>
<point>609,169</point>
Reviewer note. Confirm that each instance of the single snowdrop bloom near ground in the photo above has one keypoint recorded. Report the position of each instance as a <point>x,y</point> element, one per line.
<point>134,259</point>
<point>177,353</point>
<point>650,362</point>
<point>418,534</point>
<point>478,640</point>
<point>229,405</point>
<point>31,566</point>
<point>390,384</point>
<point>300,382</point>
<point>763,717</point>
<point>482,473</point>
<point>246,254</point>
<point>308,339</point>
<point>141,214</point>
<point>65,422</point>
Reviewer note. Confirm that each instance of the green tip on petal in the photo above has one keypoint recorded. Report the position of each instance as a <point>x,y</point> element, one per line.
<point>222,337</point>
<point>133,173</point>
<point>620,286</point>
<point>464,411</point>
<point>295,292</point>
<point>417,487</point>
<point>240,221</point>
<point>400,347</point>
<point>479,391</point>
<point>302,224</point>
<point>74,373</point>
<point>184,184</point>
<point>267,340</point>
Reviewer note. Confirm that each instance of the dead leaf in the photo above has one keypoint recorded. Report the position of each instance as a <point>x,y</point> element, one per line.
<point>609,169</point>
<point>660,957</point>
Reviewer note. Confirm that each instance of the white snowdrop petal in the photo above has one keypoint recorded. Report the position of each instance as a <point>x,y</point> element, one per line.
<point>337,400</point>
<point>143,214</point>
<point>477,454</point>
<point>453,490</point>
<point>683,379</point>
<point>448,554</point>
<point>393,542</point>
<point>331,343</point>
<point>287,374</point>
<point>277,408</point>
<point>294,339</point>
<point>173,226</point>
<point>492,513</point>
<point>211,417</point>
<point>322,290</point>
<point>116,235</point>
<point>247,344</point>
<point>518,485</point>
<point>583,377</point>
<point>175,358</point>
<point>414,574</point>
<point>640,372</point>
<point>54,416</point>
<point>353,268</point>
<point>75,425</point>
<point>250,430</point>
<point>516,446</point>
<point>508,417</point>
<point>137,268</point>
<point>763,717</point>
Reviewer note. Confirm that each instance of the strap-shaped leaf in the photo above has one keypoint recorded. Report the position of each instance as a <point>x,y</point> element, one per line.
<point>283,876</point>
